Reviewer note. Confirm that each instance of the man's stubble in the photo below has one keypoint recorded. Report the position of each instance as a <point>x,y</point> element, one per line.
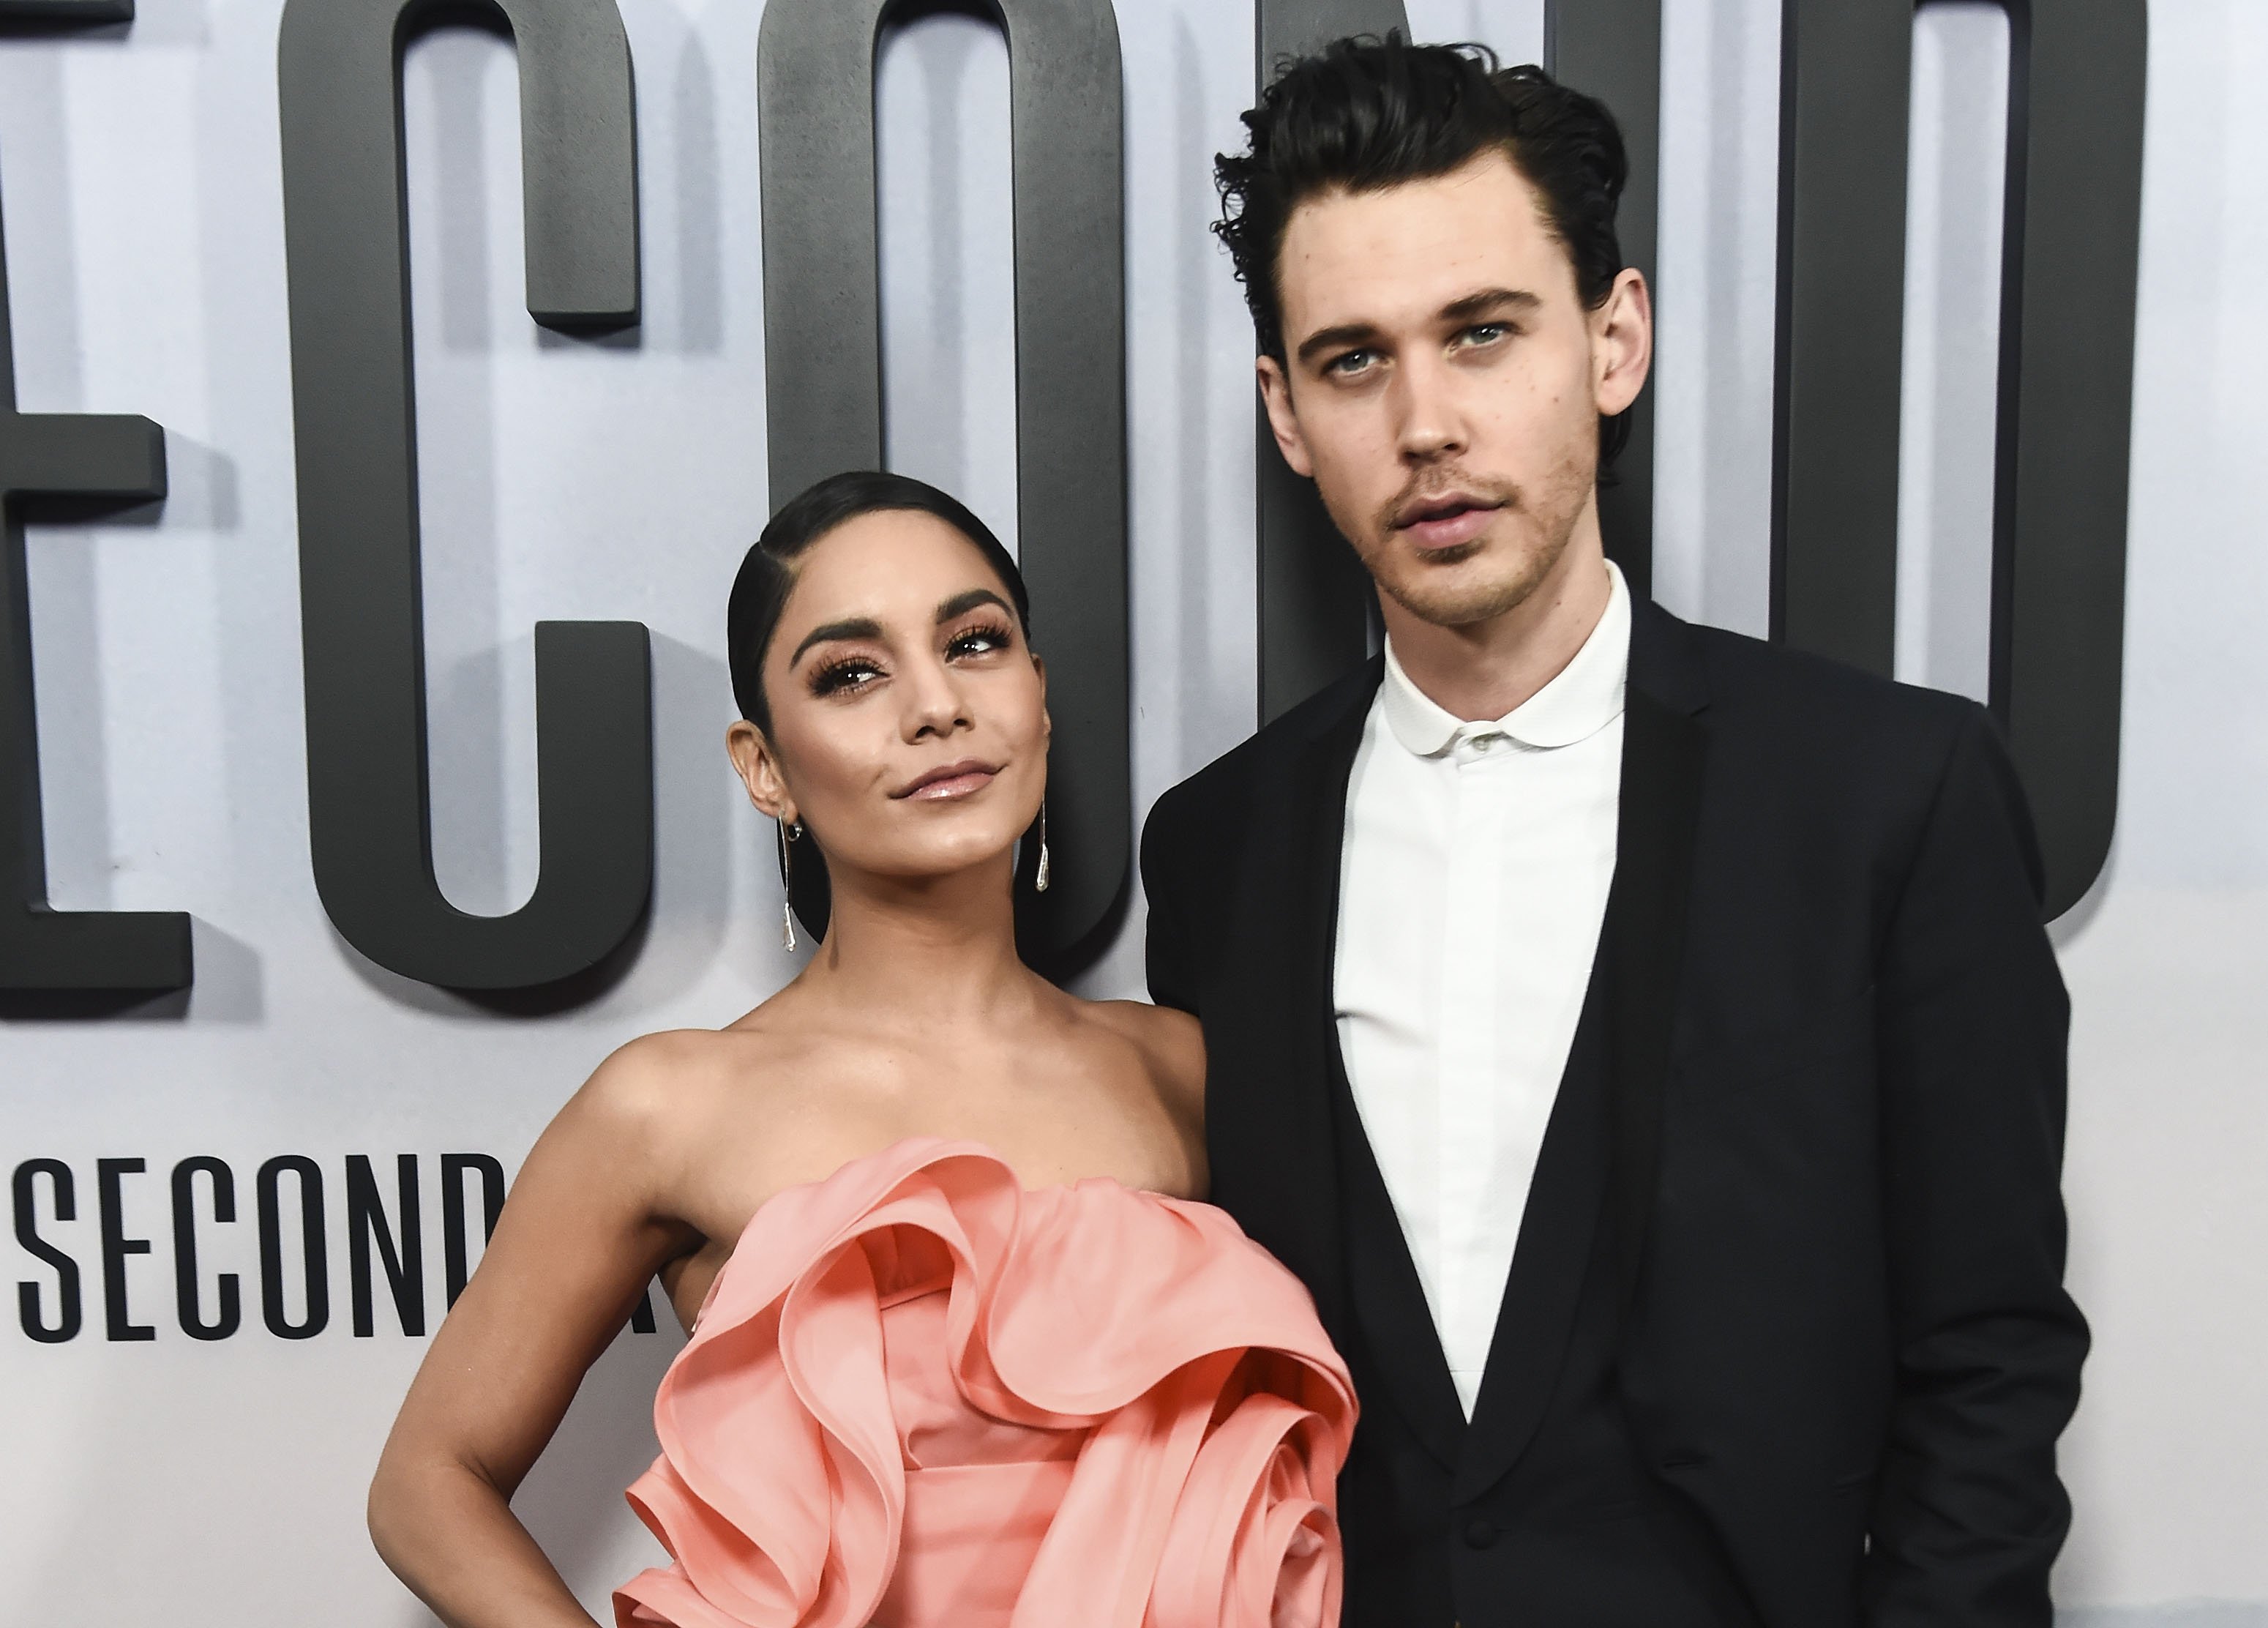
<point>1430,587</point>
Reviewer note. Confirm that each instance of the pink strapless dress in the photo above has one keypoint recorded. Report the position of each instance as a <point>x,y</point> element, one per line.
<point>921,1395</point>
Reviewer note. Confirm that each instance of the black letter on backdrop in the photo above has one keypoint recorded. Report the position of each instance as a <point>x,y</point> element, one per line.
<point>1315,595</point>
<point>1612,49</point>
<point>315,1265</point>
<point>118,1321</point>
<point>71,13</point>
<point>186,1292</point>
<point>66,1325</point>
<point>44,456</point>
<point>823,386</point>
<point>405,1267</point>
<point>455,1256</point>
<point>353,400</point>
<point>2071,236</point>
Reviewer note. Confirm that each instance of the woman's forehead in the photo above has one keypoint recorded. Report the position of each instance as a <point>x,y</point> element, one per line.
<point>889,566</point>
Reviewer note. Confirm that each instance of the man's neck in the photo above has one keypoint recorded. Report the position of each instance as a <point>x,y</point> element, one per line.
<point>1485,669</point>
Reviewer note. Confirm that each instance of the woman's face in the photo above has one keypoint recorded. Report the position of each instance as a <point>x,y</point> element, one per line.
<point>909,717</point>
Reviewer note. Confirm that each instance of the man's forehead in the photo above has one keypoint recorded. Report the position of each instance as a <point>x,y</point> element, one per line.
<point>1412,247</point>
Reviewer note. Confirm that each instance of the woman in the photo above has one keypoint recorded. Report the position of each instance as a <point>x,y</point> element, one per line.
<point>964,1349</point>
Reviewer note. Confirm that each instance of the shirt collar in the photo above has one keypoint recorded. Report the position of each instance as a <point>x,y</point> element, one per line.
<point>1582,699</point>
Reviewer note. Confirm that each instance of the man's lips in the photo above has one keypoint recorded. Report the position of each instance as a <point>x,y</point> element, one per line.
<point>949,781</point>
<point>1445,522</point>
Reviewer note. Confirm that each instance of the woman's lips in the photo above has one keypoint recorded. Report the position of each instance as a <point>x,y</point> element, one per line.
<point>1447,531</point>
<point>953,780</point>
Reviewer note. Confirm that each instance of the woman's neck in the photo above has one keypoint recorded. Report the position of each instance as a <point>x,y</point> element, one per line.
<point>939,950</point>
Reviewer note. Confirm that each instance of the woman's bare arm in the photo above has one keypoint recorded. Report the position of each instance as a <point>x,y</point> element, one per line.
<point>582,1234</point>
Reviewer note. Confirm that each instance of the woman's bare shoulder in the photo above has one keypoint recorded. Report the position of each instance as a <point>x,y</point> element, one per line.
<point>1147,1025</point>
<point>655,1092</point>
<point>702,1123</point>
<point>650,1074</point>
<point>1171,1042</point>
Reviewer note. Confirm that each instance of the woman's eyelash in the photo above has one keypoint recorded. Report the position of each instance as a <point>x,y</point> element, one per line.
<point>838,675</point>
<point>851,672</point>
<point>963,643</point>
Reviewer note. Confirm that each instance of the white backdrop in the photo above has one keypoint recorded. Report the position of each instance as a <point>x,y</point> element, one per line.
<point>221,1482</point>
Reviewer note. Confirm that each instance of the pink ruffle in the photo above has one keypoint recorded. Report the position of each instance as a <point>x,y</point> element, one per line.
<point>1141,1420</point>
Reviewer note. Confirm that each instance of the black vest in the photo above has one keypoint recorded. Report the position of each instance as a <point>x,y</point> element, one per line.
<point>1540,1512</point>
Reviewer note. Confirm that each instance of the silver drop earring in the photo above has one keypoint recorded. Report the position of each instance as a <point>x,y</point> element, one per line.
<point>789,830</point>
<point>1039,881</point>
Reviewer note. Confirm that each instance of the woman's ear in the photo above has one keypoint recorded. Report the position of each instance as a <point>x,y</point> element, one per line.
<point>1047,723</point>
<point>758,765</point>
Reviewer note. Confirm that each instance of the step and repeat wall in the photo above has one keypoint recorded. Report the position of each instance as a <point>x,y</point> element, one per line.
<point>238,1208</point>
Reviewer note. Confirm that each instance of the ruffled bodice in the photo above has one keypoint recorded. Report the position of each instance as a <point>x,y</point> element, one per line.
<point>921,1395</point>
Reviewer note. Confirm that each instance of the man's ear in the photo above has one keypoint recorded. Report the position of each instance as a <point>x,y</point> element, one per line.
<point>1282,419</point>
<point>759,769</point>
<point>1622,342</point>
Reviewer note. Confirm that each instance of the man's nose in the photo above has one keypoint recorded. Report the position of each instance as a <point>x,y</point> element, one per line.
<point>1430,424</point>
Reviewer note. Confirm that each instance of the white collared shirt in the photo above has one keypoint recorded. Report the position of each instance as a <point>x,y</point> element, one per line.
<point>1473,883</point>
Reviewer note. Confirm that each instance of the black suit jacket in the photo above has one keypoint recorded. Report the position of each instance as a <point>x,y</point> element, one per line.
<point>1829,1036</point>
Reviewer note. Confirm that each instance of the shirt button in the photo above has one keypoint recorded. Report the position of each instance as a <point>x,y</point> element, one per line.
<point>1480,1534</point>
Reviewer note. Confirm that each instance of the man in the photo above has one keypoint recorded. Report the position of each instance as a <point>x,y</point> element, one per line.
<point>1643,1040</point>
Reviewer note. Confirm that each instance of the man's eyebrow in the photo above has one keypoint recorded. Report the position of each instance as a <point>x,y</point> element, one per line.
<point>857,627</point>
<point>1489,299</point>
<point>1347,333</point>
<point>961,604</point>
<point>1481,302</point>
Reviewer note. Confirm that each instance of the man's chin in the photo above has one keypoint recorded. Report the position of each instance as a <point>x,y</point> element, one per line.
<point>1442,559</point>
<point>1457,587</point>
<point>1447,606</point>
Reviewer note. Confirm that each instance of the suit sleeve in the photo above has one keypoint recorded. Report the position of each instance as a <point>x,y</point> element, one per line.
<point>1969,1512</point>
<point>1167,950</point>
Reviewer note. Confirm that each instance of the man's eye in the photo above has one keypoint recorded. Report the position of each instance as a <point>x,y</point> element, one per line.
<point>1486,333</point>
<point>1351,362</point>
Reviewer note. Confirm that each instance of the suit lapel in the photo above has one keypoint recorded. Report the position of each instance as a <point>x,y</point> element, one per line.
<point>1400,1349</point>
<point>1274,1135</point>
<point>1557,1231</point>
<point>1357,1263</point>
<point>1602,1148</point>
<point>1401,1344</point>
<point>1665,757</point>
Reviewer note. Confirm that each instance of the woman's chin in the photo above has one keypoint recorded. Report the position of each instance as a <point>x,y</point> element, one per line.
<point>943,862</point>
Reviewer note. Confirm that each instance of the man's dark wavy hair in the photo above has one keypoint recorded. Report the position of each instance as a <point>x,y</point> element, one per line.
<point>1366,114</point>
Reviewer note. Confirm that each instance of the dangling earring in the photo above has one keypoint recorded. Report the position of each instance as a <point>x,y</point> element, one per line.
<point>1039,881</point>
<point>788,830</point>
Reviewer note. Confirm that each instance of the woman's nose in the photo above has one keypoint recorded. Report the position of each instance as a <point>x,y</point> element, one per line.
<point>935,704</point>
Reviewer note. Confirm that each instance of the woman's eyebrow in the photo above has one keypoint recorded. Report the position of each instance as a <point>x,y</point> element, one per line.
<point>961,604</point>
<point>857,627</point>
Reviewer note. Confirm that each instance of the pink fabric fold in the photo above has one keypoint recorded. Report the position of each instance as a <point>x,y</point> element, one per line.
<point>923,1394</point>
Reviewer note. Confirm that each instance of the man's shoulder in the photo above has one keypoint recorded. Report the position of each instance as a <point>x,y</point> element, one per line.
<point>1224,793</point>
<point>1820,711</point>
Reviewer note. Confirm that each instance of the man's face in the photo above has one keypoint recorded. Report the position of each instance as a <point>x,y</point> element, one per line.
<point>1442,383</point>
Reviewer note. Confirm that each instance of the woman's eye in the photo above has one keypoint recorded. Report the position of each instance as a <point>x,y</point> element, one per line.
<point>977,642</point>
<point>836,677</point>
